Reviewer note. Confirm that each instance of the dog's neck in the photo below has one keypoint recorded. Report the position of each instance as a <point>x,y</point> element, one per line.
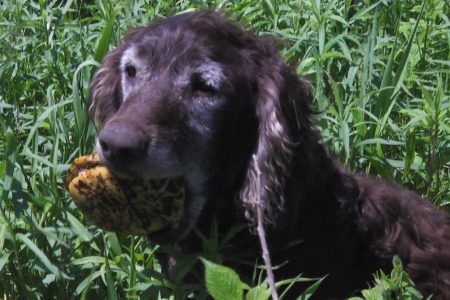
<point>318,186</point>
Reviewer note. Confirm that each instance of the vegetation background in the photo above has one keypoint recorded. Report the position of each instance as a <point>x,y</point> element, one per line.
<point>381,75</point>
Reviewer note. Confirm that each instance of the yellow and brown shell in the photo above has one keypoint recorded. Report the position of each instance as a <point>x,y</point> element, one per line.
<point>124,204</point>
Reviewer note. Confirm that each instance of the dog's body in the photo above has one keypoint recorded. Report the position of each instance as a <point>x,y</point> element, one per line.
<point>195,96</point>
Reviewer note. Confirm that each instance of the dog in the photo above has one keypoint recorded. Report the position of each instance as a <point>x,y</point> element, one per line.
<point>195,96</point>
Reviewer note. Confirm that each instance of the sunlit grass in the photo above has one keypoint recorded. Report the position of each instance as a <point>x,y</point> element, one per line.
<point>380,72</point>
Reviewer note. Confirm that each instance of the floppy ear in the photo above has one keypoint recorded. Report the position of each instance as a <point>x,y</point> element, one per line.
<point>105,88</point>
<point>283,111</point>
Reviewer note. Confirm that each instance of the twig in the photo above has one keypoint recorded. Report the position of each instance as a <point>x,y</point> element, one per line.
<point>262,235</point>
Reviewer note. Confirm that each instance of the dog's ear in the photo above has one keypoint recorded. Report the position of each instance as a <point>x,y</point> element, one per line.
<point>105,89</point>
<point>283,112</point>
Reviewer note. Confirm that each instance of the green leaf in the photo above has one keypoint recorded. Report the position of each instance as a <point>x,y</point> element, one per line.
<point>222,283</point>
<point>395,286</point>
<point>79,228</point>
<point>3,231</point>
<point>310,290</point>
<point>260,292</point>
<point>364,13</point>
<point>380,141</point>
<point>83,286</point>
<point>10,155</point>
<point>113,243</point>
<point>79,110</point>
<point>4,259</point>
<point>389,88</point>
<point>410,152</point>
<point>386,89</point>
<point>105,39</point>
<point>110,282</point>
<point>344,134</point>
<point>94,260</point>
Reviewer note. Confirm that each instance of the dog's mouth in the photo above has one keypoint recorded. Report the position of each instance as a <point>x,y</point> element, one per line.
<point>176,231</point>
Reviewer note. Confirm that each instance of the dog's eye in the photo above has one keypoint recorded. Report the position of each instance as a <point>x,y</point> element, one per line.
<point>130,70</point>
<point>199,87</point>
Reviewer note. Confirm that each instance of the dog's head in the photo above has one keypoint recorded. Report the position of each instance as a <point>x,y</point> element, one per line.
<point>196,96</point>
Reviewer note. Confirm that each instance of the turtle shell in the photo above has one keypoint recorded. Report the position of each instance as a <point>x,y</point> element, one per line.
<point>125,204</point>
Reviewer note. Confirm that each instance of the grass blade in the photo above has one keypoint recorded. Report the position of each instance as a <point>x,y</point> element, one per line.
<point>110,282</point>
<point>41,256</point>
<point>105,39</point>
<point>388,89</point>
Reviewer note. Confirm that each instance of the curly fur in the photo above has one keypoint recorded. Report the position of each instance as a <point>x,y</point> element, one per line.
<point>196,96</point>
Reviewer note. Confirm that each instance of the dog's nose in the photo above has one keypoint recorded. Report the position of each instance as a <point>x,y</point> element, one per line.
<point>120,143</point>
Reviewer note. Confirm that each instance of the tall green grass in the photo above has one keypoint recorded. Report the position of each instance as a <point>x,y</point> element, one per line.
<point>380,71</point>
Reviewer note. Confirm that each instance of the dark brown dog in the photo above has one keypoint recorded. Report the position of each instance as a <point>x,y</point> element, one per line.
<point>196,96</point>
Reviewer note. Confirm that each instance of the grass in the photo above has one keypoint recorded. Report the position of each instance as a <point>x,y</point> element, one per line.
<point>381,75</point>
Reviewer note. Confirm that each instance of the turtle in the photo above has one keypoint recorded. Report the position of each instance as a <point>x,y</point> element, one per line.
<point>121,203</point>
